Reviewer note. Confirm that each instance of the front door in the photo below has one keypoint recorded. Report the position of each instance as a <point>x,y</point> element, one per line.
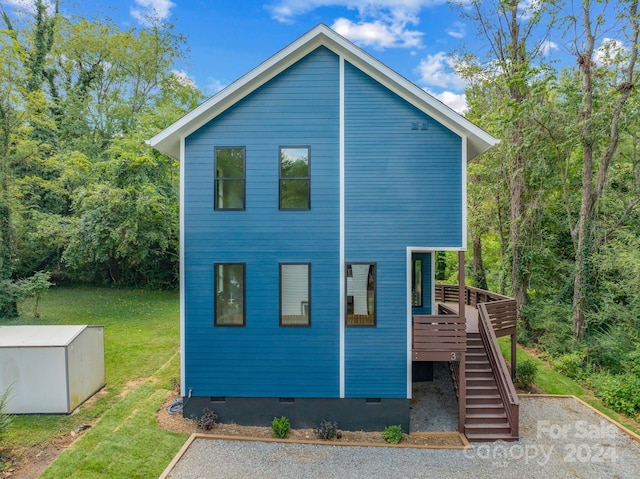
<point>421,283</point>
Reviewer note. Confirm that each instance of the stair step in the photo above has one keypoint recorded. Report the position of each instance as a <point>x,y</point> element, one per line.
<point>479,437</point>
<point>482,390</point>
<point>481,382</point>
<point>487,428</point>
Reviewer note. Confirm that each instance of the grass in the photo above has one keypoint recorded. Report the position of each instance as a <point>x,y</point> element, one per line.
<point>552,382</point>
<point>141,344</point>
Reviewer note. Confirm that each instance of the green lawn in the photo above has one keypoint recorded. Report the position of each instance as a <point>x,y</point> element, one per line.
<point>141,354</point>
<point>552,382</point>
<point>141,345</point>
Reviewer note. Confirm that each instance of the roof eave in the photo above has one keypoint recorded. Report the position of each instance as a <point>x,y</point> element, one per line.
<point>168,140</point>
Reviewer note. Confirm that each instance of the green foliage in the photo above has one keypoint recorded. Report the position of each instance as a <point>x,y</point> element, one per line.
<point>207,419</point>
<point>526,372</point>
<point>393,434</point>
<point>620,392</point>
<point>608,350</point>
<point>573,365</point>
<point>5,419</point>
<point>326,430</point>
<point>280,427</point>
<point>81,195</point>
<point>11,292</point>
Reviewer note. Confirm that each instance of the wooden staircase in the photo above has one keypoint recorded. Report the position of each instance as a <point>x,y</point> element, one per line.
<point>486,416</point>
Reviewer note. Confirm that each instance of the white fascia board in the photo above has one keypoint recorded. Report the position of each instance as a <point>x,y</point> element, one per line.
<point>168,142</point>
<point>479,140</point>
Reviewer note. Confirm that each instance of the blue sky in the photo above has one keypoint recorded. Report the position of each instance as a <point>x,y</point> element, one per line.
<point>227,38</point>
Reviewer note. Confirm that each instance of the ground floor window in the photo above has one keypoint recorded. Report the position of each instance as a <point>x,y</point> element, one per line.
<point>361,294</point>
<point>230,294</point>
<point>295,284</point>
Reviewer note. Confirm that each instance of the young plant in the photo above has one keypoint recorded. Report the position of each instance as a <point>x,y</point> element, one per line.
<point>526,373</point>
<point>280,427</point>
<point>207,420</point>
<point>326,430</point>
<point>393,434</point>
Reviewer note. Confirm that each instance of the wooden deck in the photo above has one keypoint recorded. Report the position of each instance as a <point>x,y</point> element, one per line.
<point>489,405</point>
<point>470,313</point>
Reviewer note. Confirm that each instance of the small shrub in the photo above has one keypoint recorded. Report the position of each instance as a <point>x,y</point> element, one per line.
<point>573,365</point>
<point>207,420</point>
<point>326,430</point>
<point>280,427</point>
<point>525,373</point>
<point>393,434</point>
<point>620,392</point>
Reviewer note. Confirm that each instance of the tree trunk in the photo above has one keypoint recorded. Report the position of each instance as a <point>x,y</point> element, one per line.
<point>479,274</point>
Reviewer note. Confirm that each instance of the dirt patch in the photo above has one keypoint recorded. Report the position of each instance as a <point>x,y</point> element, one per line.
<point>130,386</point>
<point>30,462</point>
<point>176,423</point>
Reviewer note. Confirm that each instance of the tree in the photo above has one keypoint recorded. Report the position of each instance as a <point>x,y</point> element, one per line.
<point>615,80</point>
<point>505,94</point>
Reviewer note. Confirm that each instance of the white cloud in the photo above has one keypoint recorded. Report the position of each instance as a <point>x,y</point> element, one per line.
<point>285,10</point>
<point>151,10</point>
<point>438,71</point>
<point>380,23</point>
<point>27,6</point>
<point>214,86</point>
<point>456,101</point>
<point>611,52</point>
<point>378,34</point>
<point>528,8</point>
<point>183,78</point>
<point>457,30</point>
<point>548,46</point>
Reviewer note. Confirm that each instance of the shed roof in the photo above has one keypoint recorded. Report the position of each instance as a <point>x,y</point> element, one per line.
<point>38,336</point>
<point>168,141</point>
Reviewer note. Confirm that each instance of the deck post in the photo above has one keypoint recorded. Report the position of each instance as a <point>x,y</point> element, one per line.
<point>462,377</point>
<point>513,357</point>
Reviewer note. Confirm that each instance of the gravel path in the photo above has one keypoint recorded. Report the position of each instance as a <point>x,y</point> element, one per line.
<point>561,438</point>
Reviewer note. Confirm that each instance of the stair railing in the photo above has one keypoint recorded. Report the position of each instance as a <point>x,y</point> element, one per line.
<point>499,366</point>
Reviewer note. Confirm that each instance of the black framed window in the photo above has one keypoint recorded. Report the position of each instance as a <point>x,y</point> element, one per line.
<point>295,177</point>
<point>229,178</point>
<point>361,294</point>
<point>230,294</point>
<point>295,298</point>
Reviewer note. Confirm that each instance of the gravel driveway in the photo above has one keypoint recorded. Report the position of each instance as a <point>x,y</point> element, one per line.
<point>560,438</point>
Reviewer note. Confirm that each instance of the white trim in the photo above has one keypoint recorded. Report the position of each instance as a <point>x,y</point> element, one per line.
<point>433,283</point>
<point>182,272</point>
<point>409,327</point>
<point>167,140</point>
<point>410,251</point>
<point>342,237</point>
<point>464,193</point>
<point>428,249</point>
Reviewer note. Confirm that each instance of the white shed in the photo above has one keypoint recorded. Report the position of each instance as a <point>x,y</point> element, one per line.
<point>50,369</point>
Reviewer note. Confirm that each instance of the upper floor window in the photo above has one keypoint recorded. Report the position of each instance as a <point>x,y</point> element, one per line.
<point>361,294</point>
<point>295,178</point>
<point>295,309</point>
<point>229,178</point>
<point>230,292</point>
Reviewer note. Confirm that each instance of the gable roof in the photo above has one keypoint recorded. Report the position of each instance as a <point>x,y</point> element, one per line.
<point>168,140</point>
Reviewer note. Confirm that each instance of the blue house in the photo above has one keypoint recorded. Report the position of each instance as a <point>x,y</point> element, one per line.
<point>314,191</point>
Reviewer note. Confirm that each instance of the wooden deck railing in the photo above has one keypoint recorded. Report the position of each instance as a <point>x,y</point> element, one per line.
<point>440,337</point>
<point>502,309</point>
<point>499,366</point>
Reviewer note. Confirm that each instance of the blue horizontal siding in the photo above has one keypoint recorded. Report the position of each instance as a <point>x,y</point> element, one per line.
<point>298,107</point>
<point>403,187</point>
